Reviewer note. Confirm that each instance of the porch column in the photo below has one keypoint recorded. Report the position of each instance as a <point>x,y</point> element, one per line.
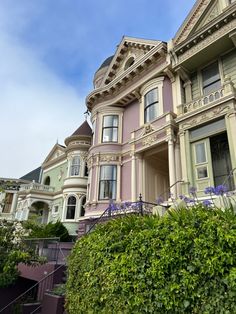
<point>133,178</point>
<point>178,167</point>
<point>14,203</point>
<point>171,159</point>
<point>118,182</point>
<point>231,131</point>
<point>140,175</point>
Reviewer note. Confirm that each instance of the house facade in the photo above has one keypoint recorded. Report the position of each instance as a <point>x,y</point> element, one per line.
<point>163,119</point>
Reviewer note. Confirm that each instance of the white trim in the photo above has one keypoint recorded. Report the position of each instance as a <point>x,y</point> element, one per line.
<point>152,84</point>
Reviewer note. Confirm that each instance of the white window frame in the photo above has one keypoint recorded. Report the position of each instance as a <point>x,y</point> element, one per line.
<point>74,166</point>
<point>66,207</point>
<point>116,181</point>
<point>156,83</point>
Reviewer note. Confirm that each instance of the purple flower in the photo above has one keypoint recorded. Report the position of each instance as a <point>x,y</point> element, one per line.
<point>181,197</point>
<point>220,190</point>
<point>209,190</point>
<point>192,190</point>
<point>160,200</point>
<point>206,203</point>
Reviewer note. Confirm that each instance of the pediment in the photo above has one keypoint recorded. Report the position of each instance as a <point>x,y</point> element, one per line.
<point>56,152</point>
<point>128,52</point>
<point>202,13</point>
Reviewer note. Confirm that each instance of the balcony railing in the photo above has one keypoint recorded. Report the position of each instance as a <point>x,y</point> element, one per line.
<point>36,187</point>
<point>227,89</point>
<point>200,102</point>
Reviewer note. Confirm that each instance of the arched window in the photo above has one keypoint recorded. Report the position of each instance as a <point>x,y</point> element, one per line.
<point>75,166</point>
<point>129,62</point>
<point>71,206</point>
<point>151,109</point>
<point>82,210</point>
<point>47,180</point>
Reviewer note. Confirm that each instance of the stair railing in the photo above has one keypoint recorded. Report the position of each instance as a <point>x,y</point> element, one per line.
<point>36,291</point>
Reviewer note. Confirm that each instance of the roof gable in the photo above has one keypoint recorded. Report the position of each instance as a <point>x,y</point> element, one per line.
<point>57,151</point>
<point>128,52</point>
<point>203,12</point>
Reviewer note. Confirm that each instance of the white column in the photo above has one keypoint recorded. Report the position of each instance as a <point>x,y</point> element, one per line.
<point>140,175</point>
<point>177,168</point>
<point>96,181</point>
<point>118,182</point>
<point>171,158</point>
<point>14,203</point>
<point>133,179</point>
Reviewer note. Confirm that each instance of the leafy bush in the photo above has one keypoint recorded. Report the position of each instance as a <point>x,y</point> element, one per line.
<point>13,251</point>
<point>184,262</point>
<point>50,230</point>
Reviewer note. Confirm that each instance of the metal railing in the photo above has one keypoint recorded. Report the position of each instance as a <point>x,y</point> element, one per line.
<point>115,210</point>
<point>45,247</point>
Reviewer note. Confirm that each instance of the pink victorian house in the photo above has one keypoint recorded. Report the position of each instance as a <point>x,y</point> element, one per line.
<point>134,148</point>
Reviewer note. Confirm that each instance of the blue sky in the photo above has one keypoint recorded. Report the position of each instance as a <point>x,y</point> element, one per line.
<point>49,51</point>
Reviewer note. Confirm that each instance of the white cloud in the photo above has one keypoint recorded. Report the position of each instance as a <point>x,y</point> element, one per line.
<point>36,107</point>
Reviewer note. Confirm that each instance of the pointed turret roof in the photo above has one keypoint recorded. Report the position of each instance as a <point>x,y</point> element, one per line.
<point>84,129</point>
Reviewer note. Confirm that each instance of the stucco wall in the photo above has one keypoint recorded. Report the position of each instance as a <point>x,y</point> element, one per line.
<point>57,175</point>
<point>130,120</point>
<point>126,181</point>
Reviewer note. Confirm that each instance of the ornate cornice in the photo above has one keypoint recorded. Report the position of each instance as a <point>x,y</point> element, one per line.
<point>155,56</point>
<point>219,27</point>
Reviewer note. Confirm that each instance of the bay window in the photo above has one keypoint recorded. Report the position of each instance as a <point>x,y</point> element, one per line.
<point>108,182</point>
<point>110,129</point>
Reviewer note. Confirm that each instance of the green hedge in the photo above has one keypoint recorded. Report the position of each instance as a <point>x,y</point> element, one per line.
<point>49,230</point>
<point>182,263</point>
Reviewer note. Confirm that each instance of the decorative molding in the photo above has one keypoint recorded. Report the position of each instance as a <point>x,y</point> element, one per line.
<point>109,158</point>
<point>192,21</point>
<point>148,141</point>
<point>209,40</point>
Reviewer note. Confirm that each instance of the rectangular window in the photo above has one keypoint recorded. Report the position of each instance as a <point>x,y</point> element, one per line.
<point>211,78</point>
<point>110,129</point>
<point>75,166</point>
<point>107,182</point>
<point>151,108</point>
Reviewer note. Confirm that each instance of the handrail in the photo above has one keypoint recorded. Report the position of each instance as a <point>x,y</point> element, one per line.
<point>229,176</point>
<point>171,186</point>
<point>31,288</point>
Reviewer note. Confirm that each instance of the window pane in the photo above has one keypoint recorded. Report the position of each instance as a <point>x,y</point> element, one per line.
<point>202,172</point>
<point>107,186</point>
<point>108,173</point>
<point>71,200</point>
<point>71,205</point>
<point>211,78</point>
<point>200,153</point>
<point>109,121</point>
<point>110,135</point>
<point>151,97</point>
<point>151,113</point>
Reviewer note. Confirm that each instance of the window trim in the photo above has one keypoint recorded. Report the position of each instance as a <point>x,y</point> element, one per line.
<point>109,112</point>
<point>153,84</point>
<point>154,103</point>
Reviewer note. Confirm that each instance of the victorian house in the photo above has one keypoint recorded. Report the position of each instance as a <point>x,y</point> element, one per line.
<point>163,119</point>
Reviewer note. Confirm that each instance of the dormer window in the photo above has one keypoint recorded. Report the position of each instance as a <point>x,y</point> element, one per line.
<point>75,166</point>
<point>129,62</point>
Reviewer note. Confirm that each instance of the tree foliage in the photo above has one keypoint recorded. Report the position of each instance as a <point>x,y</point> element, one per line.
<point>184,262</point>
<point>49,230</point>
<point>13,251</point>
